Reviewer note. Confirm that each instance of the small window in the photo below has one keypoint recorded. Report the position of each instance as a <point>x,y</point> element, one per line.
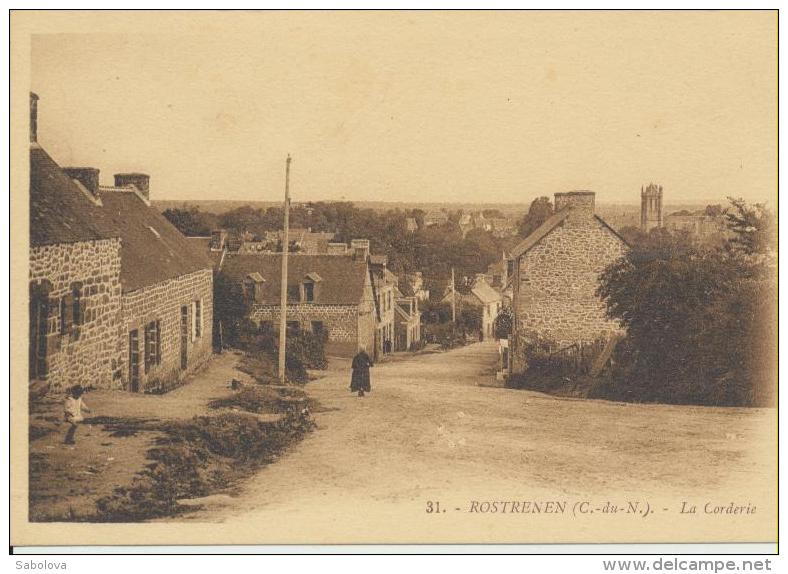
<point>309,292</point>
<point>267,326</point>
<point>293,327</point>
<point>152,345</point>
<point>317,327</point>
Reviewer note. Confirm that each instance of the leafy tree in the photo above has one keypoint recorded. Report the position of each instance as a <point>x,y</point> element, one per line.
<point>540,211</point>
<point>713,210</point>
<point>752,227</point>
<point>695,323</point>
<point>191,221</point>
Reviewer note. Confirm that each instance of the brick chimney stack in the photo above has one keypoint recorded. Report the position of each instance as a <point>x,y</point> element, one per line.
<point>87,176</point>
<point>33,118</point>
<point>139,180</point>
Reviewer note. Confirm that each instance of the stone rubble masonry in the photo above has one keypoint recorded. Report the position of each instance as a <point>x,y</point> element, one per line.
<point>87,354</point>
<point>348,326</point>
<point>555,287</point>
<point>163,302</point>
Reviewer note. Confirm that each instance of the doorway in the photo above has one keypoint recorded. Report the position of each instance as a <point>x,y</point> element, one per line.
<point>39,322</point>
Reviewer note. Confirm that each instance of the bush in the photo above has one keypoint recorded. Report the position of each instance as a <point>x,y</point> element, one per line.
<point>554,368</point>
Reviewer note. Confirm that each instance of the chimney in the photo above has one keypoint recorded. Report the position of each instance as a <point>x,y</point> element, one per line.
<point>87,176</point>
<point>360,248</point>
<point>33,118</point>
<point>581,204</point>
<point>139,180</point>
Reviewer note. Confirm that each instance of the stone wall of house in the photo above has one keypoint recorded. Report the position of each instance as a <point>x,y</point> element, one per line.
<point>556,281</point>
<point>162,302</point>
<point>348,326</point>
<point>339,321</point>
<point>86,353</point>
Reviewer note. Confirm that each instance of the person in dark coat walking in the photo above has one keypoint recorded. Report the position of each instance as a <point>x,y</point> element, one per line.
<point>359,382</point>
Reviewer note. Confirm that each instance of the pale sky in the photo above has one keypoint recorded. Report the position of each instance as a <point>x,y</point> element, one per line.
<point>420,106</point>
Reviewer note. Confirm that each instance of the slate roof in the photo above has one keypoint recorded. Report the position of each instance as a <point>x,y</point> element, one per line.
<point>152,249</point>
<point>59,211</point>
<point>204,245</point>
<point>342,278</point>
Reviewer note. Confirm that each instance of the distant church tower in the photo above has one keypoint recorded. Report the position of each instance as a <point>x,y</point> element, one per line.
<point>650,207</point>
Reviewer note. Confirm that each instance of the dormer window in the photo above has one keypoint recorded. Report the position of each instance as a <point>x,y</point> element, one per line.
<point>309,287</point>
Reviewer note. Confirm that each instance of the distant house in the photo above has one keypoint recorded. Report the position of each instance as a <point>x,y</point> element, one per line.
<point>407,322</point>
<point>411,225</point>
<point>503,227</point>
<point>701,227</point>
<point>325,294</point>
<point>119,298</point>
<point>556,275</point>
<point>302,240</point>
<point>384,285</point>
<point>491,302</point>
<point>480,296</point>
<point>436,217</point>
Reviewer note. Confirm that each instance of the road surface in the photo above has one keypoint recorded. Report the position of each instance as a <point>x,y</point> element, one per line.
<point>436,428</point>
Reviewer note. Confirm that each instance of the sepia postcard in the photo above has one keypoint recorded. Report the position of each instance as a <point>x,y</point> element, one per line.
<point>393,277</point>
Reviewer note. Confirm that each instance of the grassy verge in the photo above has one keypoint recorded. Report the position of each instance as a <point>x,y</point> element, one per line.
<point>175,459</point>
<point>198,457</point>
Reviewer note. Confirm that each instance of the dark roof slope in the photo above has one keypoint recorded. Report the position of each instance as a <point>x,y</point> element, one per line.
<point>152,249</point>
<point>59,211</point>
<point>343,278</point>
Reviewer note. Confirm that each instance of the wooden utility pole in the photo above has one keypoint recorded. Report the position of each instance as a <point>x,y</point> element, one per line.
<point>453,303</point>
<point>283,294</point>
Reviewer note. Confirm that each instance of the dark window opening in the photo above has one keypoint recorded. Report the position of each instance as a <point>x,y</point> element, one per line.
<point>317,327</point>
<point>293,327</point>
<point>309,292</point>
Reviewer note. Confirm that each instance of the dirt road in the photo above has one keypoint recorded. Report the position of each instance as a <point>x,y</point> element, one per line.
<point>435,428</point>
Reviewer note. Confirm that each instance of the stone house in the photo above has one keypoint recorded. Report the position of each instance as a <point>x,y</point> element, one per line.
<point>118,297</point>
<point>435,217</point>
<point>556,273</point>
<point>325,294</point>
